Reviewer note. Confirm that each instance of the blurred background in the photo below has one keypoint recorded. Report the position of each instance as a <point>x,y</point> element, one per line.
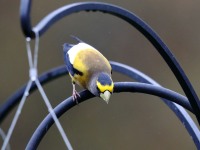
<point>129,121</point>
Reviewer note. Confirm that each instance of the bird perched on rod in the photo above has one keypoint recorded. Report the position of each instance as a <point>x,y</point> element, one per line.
<point>89,69</point>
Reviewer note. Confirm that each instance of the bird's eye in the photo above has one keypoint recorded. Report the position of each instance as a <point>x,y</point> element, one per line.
<point>111,71</point>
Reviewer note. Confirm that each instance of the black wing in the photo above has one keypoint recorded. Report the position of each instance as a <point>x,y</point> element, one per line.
<point>70,67</point>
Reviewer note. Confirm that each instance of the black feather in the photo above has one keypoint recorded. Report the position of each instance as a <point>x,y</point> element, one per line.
<point>67,47</point>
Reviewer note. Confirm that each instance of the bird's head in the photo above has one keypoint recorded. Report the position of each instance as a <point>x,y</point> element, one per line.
<point>103,86</point>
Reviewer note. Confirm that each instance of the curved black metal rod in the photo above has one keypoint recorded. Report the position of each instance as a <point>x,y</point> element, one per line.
<point>25,8</point>
<point>60,71</point>
<point>161,92</point>
<point>126,70</point>
<point>125,15</point>
<point>178,110</point>
<point>85,95</point>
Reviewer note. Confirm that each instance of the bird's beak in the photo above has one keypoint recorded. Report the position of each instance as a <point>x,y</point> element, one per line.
<point>105,96</point>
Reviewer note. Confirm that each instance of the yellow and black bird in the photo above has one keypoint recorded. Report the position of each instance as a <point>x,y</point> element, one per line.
<point>89,69</point>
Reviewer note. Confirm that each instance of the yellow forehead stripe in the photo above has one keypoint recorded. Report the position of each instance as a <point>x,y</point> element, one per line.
<point>104,88</point>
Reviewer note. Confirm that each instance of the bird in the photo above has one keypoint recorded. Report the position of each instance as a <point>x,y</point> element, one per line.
<point>89,69</point>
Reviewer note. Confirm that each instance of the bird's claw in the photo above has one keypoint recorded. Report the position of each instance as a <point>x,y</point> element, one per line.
<point>75,96</point>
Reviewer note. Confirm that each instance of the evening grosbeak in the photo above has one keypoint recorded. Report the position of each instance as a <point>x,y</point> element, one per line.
<point>89,69</point>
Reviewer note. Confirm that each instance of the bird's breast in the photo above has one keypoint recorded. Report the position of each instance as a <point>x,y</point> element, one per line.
<point>90,62</point>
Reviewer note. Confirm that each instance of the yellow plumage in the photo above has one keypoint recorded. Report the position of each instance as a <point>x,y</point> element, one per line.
<point>89,62</point>
<point>103,88</point>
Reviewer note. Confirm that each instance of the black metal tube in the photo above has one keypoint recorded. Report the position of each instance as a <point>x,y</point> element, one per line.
<point>153,90</point>
<point>85,95</point>
<point>25,9</point>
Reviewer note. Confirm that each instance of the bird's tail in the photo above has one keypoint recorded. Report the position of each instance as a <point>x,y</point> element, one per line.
<point>67,46</point>
<point>77,39</point>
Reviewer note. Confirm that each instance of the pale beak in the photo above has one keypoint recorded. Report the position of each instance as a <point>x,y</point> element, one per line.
<point>105,96</point>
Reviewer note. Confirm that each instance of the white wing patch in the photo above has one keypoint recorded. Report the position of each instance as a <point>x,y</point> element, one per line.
<point>76,49</point>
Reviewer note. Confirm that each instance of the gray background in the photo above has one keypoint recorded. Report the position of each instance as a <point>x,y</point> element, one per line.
<point>129,121</point>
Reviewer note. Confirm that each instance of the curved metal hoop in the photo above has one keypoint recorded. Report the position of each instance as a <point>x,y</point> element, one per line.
<point>124,14</point>
<point>129,71</point>
<point>126,70</point>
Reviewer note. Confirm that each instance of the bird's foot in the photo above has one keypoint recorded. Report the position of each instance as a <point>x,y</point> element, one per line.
<point>75,96</point>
